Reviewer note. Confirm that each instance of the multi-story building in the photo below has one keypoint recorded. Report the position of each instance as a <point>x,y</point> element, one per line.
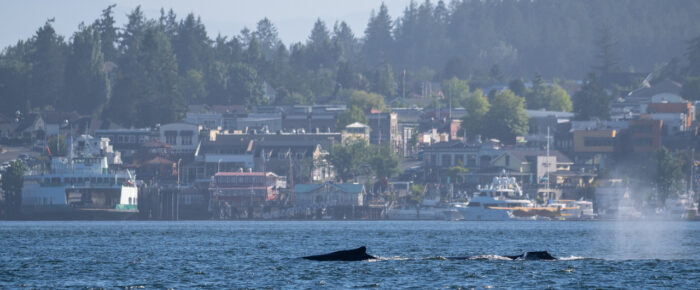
<point>182,137</point>
<point>243,189</point>
<point>384,130</point>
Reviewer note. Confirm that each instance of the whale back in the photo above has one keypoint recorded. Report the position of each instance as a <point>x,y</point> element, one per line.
<point>539,255</point>
<point>359,254</point>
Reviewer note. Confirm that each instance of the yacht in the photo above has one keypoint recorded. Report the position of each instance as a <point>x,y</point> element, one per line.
<point>79,188</point>
<point>496,202</point>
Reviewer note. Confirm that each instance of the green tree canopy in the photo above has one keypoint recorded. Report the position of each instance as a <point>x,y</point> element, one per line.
<point>351,115</point>
<point>669,173</point>
<point>357,157</point>
<point>506,117</point>
<point>474,122</point>
<point>363,100</point>
<point>456,90</point>
<point>558,99</point>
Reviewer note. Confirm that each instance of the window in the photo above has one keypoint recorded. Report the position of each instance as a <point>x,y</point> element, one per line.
<point>187,140</point>
<point>171,139</point>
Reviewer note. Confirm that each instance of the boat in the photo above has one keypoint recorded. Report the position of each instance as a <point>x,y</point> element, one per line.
<point>682,207</point>
<point>496,202</point>
<point>79,188</point>
<point>624,210</point>
<point>574,210</point>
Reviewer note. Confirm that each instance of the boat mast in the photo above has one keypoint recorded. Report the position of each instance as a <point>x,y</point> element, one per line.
<point>548,164</point>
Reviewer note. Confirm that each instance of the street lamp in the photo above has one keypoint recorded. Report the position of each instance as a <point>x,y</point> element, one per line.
<point>177,211</point>
<point>218,166</point>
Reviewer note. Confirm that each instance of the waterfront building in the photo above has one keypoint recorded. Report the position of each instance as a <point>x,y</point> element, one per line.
<point>325,195</point>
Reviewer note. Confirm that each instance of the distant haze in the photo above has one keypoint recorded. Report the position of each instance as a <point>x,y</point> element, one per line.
<point>294,19</point>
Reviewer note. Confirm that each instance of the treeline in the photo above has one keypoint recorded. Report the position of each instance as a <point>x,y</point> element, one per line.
<point>148,71</point>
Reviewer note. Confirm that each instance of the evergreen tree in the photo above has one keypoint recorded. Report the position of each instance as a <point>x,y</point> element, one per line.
<point>160,100</point>
<point>193,87</point>
<point>517,87</point>
<point>384,82</point>
<point>132,34</point>
<point>191,45</point>
<point>691,88</point>
<point>146,90</point>
<point>48,60</point>
<point>267,35</point>
<point>244,86</point>
<point>456,67</point>
<point>346,77</point>
<point>345,40</point>
<point>378,39</point>
<point>86,81</point>
<point>607,61</point>
<point>320,49</point>
<point>693,54</point>
<point>15,79</point>
<point>108,33</point>
<point>591,101</point>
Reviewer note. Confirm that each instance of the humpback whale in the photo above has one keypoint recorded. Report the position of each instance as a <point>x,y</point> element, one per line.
<point>359,254</point>
<point>539,255</point>
<point>530,256</point>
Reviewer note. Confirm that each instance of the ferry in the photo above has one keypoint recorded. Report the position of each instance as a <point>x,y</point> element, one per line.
<point>496,201</point>
<point>79,188</point>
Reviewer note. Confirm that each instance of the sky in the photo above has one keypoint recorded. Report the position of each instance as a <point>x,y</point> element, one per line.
<point>294,19</point>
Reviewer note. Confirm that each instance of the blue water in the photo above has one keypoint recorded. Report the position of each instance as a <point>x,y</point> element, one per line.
<point>213,254</point>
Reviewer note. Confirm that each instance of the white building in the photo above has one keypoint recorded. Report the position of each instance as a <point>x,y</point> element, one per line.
<point>183,137</point>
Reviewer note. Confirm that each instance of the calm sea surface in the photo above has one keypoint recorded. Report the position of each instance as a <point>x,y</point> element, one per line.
<point>213,254</point>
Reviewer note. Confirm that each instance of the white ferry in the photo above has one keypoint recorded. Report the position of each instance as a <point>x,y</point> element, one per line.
<point>496,201</point>
<point>76,188</point>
